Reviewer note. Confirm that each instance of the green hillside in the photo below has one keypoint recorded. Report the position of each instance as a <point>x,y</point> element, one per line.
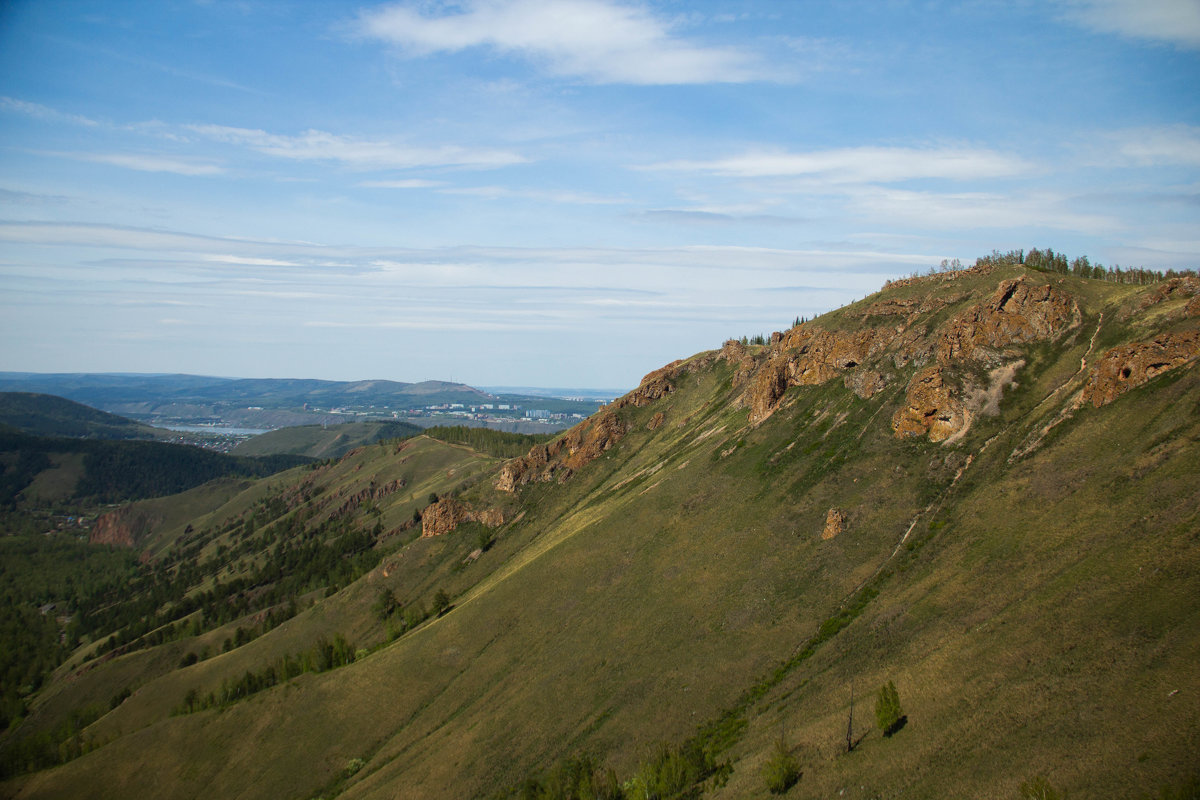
<point>979,486</point>
<point>41,470</point>
<point>48,415</point>
<point>322,441</point>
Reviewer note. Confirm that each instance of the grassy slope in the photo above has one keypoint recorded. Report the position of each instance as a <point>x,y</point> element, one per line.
<point>1036,623</point>
<point>319,441</point>
<point>425,464</point>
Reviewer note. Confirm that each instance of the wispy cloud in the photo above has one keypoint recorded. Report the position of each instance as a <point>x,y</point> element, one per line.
<point>969,210</point>
<point>1176,145</point>
<point>860,164</point>
<point>1173,21</point>
<point>39,111</point>
<point>411,183</point>
<point>545,195</point>
<point>701,217</point>
<point>148,163</point>
<point>316,145</point>
<point>593,40</point>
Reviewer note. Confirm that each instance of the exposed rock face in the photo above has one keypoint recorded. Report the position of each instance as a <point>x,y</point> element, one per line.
<point>123,527</point>
<point>739,355</point>
<point>562,457</point>
<point>372,492</point>
<point>768,387</point>
<point>447,514</point>
<point>932,406</point>
<point>1016,313</point>
<point>809,356</point>
<point>835,523</point>
<point>908,308</point>
<point>656,421</point>
<point>655,385</point>
<point>865,382</point>
<point>1124,367</point>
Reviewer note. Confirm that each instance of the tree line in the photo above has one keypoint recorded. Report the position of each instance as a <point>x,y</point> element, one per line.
<point>1081,267</point>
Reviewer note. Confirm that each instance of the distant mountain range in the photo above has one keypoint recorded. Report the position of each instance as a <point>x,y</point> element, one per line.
<point>109,389</point>
<point>273,402</point>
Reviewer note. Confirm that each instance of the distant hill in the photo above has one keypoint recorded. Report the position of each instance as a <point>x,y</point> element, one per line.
<point>110,391</point>
<point>48,415</point>
<point>320,441</point>
<point>270,403</point>
<point>41,470</point>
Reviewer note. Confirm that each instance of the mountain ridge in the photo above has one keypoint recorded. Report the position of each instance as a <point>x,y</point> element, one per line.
<point>1024,567</point>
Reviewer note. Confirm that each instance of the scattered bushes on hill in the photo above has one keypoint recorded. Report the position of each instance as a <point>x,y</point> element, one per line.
<point>500,444</point>
<point>322,657</point>
<point>1038,788</point>
<point>52,747</point>
<point>682,773</point>
<point>888,715</point>
<point>782,770</point>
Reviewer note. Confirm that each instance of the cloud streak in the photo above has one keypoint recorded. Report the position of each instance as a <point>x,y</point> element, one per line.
<point>591,40</point>
<point>1173,21</point>
<point>148,163</point>
<point>356,153</point>
<point>859,164</point>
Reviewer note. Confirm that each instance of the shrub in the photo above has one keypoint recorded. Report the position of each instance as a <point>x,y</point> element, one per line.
<point>441,602</point>
<point>888,715</point>
<point>1038,788</point>
<point>782,770</point>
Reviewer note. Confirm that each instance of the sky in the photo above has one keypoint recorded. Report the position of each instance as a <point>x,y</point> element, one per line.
<point>560,193</point>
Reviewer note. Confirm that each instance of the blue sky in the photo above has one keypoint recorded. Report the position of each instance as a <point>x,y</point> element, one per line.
<point>555,192</point>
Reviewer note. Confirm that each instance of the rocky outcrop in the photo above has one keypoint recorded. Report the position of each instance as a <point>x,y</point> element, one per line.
<point>809,356</point>
<point>654,386</point>
<point>560,459</point>
<point>768,387</point>
<point>1127,366</point>
<point>565,455</point>
<point>835,523</point>
<point>1187,286</point>
<point>931,407</point>
<point>448,513</point>
<point>1017,312</point>
<point>372,492</point>
<point>865,382</point>
<point>123,527</point>
<point>742,360</point>
<point>907,307</point>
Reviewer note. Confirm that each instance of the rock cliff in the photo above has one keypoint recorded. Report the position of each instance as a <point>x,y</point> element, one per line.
<point>1018,312</point>
<point>932,407</point>
<point>448,513</point>
<point>1128,366</point>
<point>560,459</point>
